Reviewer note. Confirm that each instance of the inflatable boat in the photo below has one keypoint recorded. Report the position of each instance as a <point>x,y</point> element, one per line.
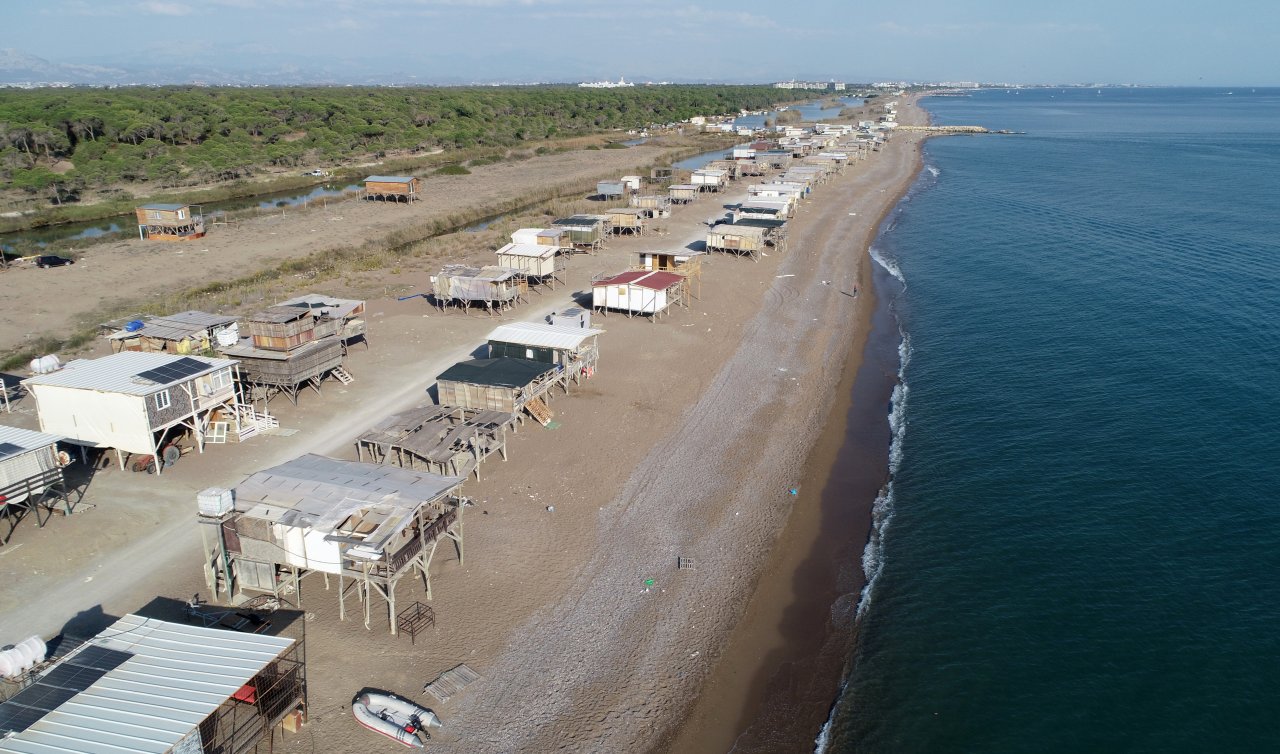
<point>398,719</point>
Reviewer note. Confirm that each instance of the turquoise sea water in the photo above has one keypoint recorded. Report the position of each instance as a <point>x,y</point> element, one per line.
<point>1080,550</point>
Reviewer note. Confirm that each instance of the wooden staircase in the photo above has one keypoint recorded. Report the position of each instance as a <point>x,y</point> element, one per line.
<point>539,411</point>
<point>252,423</point>
<point>343,375</point>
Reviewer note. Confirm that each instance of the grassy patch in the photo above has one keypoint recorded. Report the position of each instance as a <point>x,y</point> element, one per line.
<point>454,170</point>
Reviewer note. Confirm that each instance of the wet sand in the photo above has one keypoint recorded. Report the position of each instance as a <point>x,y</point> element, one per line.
<point>781,669</point>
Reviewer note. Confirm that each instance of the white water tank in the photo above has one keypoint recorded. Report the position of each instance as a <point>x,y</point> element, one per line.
<point>45,364</point>
<point>229,336</point>
<point>22,657</point>
<point>215,502</point>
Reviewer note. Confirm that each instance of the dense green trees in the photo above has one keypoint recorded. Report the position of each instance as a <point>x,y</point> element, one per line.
<point>185,136</point>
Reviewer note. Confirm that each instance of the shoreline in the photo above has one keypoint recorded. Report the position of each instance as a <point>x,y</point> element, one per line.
<point>550,608</point>
<point>784,663</point>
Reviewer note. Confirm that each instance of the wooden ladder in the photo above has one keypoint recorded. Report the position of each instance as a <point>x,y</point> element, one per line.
<point>539,410</point>
<point>343,375</point>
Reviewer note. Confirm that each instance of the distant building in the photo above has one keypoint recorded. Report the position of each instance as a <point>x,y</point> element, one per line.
<point>820,86</point>
<point>605,84</point>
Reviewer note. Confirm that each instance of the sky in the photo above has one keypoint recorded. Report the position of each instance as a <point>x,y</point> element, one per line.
<point>1176,42</point>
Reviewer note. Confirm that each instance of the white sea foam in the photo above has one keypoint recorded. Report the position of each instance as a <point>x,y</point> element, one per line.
<point>933,171</point>
<point>889,265</point>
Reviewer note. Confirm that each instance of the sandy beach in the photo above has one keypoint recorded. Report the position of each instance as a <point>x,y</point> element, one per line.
<point>685,444</point>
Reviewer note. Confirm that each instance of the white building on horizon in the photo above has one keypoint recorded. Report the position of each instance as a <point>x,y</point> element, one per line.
<point>606,84</point>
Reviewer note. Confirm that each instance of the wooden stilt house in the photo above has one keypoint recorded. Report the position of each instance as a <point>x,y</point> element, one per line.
<point>499,384</point>
<point>392,188</point>
<point>737,239</point>
<point>368,525</point>
<point>541,264</point>
<point>709,179</point>
<point>627,220</point>
<point>169,222</point>
<point>682,193</point>
<point>584,232</point>
<point>683,262</point>
<point>444,440</point>
<point>182,333</point>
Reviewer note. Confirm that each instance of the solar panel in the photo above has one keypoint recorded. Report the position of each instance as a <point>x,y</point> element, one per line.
<point>8,449</point>
<point>55,688</point>
<point>175,371</point>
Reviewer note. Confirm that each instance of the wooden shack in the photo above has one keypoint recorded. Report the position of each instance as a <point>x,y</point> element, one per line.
<point>499,384</point>
<point>585,232</point>
<point>30,475</point>
<point>730,168</point>
<point>683,262</point>
<point>632,183</point>
<point>709,179</point>
<point>682,193</point>
<point>541,236</point>
<point>392,188</point>
<point>181,333</point>
<point>627,220</point>
<point>762,209</point>
<point>369,525</point>
<point>444,440</point>
<point>495,288</point>
<point>332,315</point>
<point>267,372</point>
<point>572,350</point>
<point>639,292</point>
<point>280,328</point>
<point>737,239</point>
<point>606,190</point>
<point>655,205</point>
<point>538,263</point>
<point>169,222</point>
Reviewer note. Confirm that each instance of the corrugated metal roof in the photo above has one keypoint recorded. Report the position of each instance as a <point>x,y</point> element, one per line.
<point>541,335</point>
<point>488,273</point>
<point>537,250</point>
<point>178,675</point>
<point>175,326</point>
<point>118,373</point>
<point>657,281</point>
<point>320,304</point>
<point>164,207</point>
<point>320,493</point>
<point>389,179</point>
<point>27,439</point>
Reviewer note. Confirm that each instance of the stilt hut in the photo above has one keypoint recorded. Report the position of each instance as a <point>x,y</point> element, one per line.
<point>655,205</point>
<point>182,333</point>
<point>368,525</point>
<point>332,316</point>
<point>444,440</point>
<point>541,236</point>
<point>586,232</point>
<point>738,239</point>
<point>137,403</point>
<point>626,220</point>
<point>495,288</point>
<point>730,168</point>
<point>709,179</point>
<point>762,209</point>
<point>572,350</point>
<point>606,190</point>
<point>392,188</point>
<point>683,262</point>
<point>169,222</point>
<point>30,475</point>
<point>542,264</point>
<point>639,292</point>
<point>682,193</point>
<point>267,372</point>
<point>499,384</point>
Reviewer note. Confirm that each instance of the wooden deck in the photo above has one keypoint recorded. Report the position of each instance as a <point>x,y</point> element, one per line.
<point>451,682</point>
<point>441,439</point>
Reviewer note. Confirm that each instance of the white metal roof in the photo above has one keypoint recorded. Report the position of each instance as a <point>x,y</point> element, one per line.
<point>27,439</point>
<point>539,251</point>
<point>540,335</point>
<point>118,373</point>
<point>178,675</point>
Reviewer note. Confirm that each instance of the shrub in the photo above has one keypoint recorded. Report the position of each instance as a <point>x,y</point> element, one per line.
<point>453,170</point>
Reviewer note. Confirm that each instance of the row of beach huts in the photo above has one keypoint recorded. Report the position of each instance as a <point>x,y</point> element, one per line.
<point>181,383</point>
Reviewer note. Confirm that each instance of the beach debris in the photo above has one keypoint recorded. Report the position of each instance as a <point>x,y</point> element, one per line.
<point>794,491</point>
<point>685,564</point>
<point>790,275</point>
<point>648,584</point>
<point>551,509</point>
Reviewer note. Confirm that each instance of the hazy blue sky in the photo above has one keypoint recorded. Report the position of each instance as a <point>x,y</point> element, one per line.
<point>1171,42</point>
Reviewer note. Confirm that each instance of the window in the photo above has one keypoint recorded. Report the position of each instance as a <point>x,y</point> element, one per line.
<point>162,400</point>
<point>220,380</point>
<point>528,353</point>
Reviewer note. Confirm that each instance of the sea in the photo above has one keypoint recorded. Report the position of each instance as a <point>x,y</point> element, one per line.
<point>1079,547</point>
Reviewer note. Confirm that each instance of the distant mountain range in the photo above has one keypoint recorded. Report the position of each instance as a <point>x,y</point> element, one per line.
<point>19,68</point>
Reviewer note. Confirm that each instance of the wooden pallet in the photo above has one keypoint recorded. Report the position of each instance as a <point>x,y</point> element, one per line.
<point>451,682</point>
<point>539,411</point>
